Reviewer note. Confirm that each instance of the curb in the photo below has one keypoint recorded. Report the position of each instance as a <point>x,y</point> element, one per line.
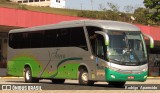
<point>9,77</point>
<point>153,77</point>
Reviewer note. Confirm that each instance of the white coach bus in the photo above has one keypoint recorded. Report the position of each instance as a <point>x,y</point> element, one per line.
<point>87,50</point>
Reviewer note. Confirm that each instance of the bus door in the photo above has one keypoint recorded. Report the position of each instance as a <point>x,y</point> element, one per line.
<point>100,53</point>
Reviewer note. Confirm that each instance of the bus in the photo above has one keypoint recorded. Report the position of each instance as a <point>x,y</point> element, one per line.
<point>85,50</point>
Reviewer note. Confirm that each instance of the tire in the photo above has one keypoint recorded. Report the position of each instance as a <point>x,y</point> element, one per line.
<point>84,79</point>
<point>117,84</point>
<point>58,81</point>
<point>28,76</point>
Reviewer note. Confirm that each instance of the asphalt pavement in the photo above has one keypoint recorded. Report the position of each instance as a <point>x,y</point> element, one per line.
<point>151,84</point>
<point>3,72</point>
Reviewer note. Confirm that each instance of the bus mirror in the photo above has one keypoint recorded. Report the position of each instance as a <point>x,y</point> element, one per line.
<point>151,40</point>
<point>105,35</point>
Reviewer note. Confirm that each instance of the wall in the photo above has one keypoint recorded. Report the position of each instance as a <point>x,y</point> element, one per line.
<point>23,18</point>
<point>154,65</point>
<point>150,30</point>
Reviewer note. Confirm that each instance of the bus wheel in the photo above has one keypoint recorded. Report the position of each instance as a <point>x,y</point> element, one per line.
<point>58,81</point>
<point>28,76</point>
<point>117,84</point>
<point>84,79</point>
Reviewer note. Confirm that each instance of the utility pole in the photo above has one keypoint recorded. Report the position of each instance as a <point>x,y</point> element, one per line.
<point>92,4</point>
<point>81,4</point>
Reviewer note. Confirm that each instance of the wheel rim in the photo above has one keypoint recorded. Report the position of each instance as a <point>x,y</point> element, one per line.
<point>85,76</point>
<point>28,74</point>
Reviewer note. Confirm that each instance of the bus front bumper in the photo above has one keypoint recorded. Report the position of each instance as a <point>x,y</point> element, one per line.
<point>117,76</point>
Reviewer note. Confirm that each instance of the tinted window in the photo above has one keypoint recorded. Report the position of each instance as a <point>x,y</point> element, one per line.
<point>78,38</point>
<point>15,40</point>
<point>19,40</point>
<point>63,38</point>
<point>92,36</point>
<point>100,47</point>
<point>50,38</point>
<point>36,39</point>
<point>25,40</point>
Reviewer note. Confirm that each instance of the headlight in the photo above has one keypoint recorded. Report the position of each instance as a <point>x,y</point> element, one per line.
<point>113,68</point>
<point>145,69</point>
<point>145,76</point>
<point>112,76</point>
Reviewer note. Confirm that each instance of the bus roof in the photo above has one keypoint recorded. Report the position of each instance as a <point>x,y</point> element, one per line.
<point>105,24</point>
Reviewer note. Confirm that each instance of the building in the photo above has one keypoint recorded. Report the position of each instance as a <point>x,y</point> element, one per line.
<point>58,3</point>
<point>45,3</point>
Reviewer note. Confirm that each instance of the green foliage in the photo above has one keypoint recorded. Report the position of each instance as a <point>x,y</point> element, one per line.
<point>128,8</point>
<point>105,15</point>
<point>149,15</point>
<point>113,7</point>
<point>2,1</point>
<point>22,7</point>
<point>88,14</point>
<point>153,14</point>
<point>152,4</point>
<point>140,15</point>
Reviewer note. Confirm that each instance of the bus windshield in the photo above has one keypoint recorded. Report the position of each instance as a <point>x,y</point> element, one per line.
<point>126,48</point>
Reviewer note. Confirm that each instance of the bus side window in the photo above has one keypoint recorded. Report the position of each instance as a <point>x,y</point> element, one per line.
<point>36,39</point>
<point>50,38</point>
<point>78,38</point>
<point>63,37</point>
<point>100,47</point>
<point>15,40</point>
<point>25,43</point>
<point>19,40</point>
<point>91,32</point>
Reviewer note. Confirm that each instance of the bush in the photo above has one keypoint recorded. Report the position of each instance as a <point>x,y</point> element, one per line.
<point>22,7</point>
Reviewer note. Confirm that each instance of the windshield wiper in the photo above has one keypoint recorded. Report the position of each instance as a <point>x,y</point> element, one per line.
<point>115,60</point>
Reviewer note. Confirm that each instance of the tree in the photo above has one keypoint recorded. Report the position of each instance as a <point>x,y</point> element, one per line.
<point>154,9</point>
<point>102,7</point>
<point>140,14</point>
<point>128,9</point>
<point>113,7</point>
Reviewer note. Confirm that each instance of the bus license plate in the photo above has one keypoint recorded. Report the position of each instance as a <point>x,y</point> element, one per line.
<point>131,77</point>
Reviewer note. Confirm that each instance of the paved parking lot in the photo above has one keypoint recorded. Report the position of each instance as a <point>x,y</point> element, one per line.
<point>72,86</point>
<point>3,72</point>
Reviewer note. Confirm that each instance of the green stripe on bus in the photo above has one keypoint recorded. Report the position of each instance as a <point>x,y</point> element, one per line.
<point>63,61</point>
<point>37,68</point>
<point>124,77</point>
<point>16,66</point>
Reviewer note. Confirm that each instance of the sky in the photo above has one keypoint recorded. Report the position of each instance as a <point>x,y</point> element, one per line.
<point>86,4</point>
